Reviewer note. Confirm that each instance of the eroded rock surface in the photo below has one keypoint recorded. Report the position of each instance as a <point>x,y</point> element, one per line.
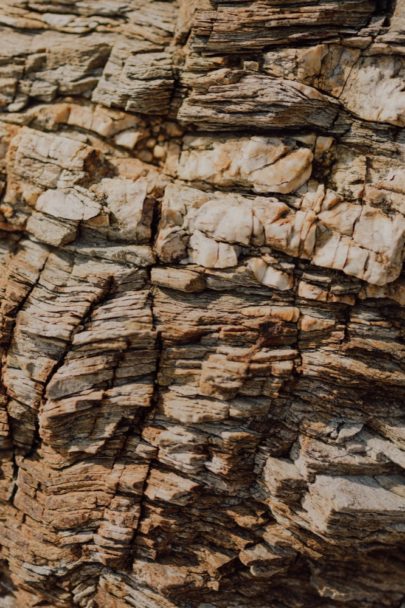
<point>202,237</point>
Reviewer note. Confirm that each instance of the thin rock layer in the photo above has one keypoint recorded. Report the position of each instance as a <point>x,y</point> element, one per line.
<point>202,236</point>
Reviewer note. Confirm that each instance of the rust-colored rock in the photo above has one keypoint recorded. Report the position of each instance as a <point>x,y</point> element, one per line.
<point>201,245</point>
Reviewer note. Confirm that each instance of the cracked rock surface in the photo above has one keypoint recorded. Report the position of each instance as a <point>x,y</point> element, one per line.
<point>201,327</point>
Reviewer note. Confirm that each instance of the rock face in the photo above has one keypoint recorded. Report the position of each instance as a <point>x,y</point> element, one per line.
<point>202,235</point>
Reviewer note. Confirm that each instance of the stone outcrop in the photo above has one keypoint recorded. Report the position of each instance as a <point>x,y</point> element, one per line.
<point>201,244</point>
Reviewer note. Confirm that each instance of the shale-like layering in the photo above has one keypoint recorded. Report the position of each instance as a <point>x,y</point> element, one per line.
<point>202,235</point>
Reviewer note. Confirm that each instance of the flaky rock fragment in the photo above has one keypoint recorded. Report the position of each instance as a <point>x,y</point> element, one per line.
<point>201,304</point>
<point>137,79</point>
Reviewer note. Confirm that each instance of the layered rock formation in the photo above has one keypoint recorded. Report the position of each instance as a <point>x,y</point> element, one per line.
<point>202,235</point>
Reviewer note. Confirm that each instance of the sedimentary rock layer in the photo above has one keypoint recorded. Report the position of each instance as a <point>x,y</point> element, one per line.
<point>202,362</point>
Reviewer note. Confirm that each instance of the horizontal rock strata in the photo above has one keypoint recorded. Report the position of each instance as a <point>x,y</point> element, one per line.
<point>202,362</point>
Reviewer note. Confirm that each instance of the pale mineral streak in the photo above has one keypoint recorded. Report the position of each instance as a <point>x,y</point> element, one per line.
<point>202,362</point>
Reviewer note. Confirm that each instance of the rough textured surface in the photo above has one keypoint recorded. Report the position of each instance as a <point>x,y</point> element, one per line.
<point>202,235</point>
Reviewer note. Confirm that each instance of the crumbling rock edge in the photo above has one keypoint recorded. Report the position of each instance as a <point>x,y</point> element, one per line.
<point>202,238</point>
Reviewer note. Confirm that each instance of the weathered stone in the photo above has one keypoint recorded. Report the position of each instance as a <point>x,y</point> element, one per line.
<point>201,245</point>
<point>264,165</point>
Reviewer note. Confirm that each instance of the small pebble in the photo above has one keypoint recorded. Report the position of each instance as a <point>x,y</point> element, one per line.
<point>145,156</point>
<point>150,143</point>
<point>159,152</point>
